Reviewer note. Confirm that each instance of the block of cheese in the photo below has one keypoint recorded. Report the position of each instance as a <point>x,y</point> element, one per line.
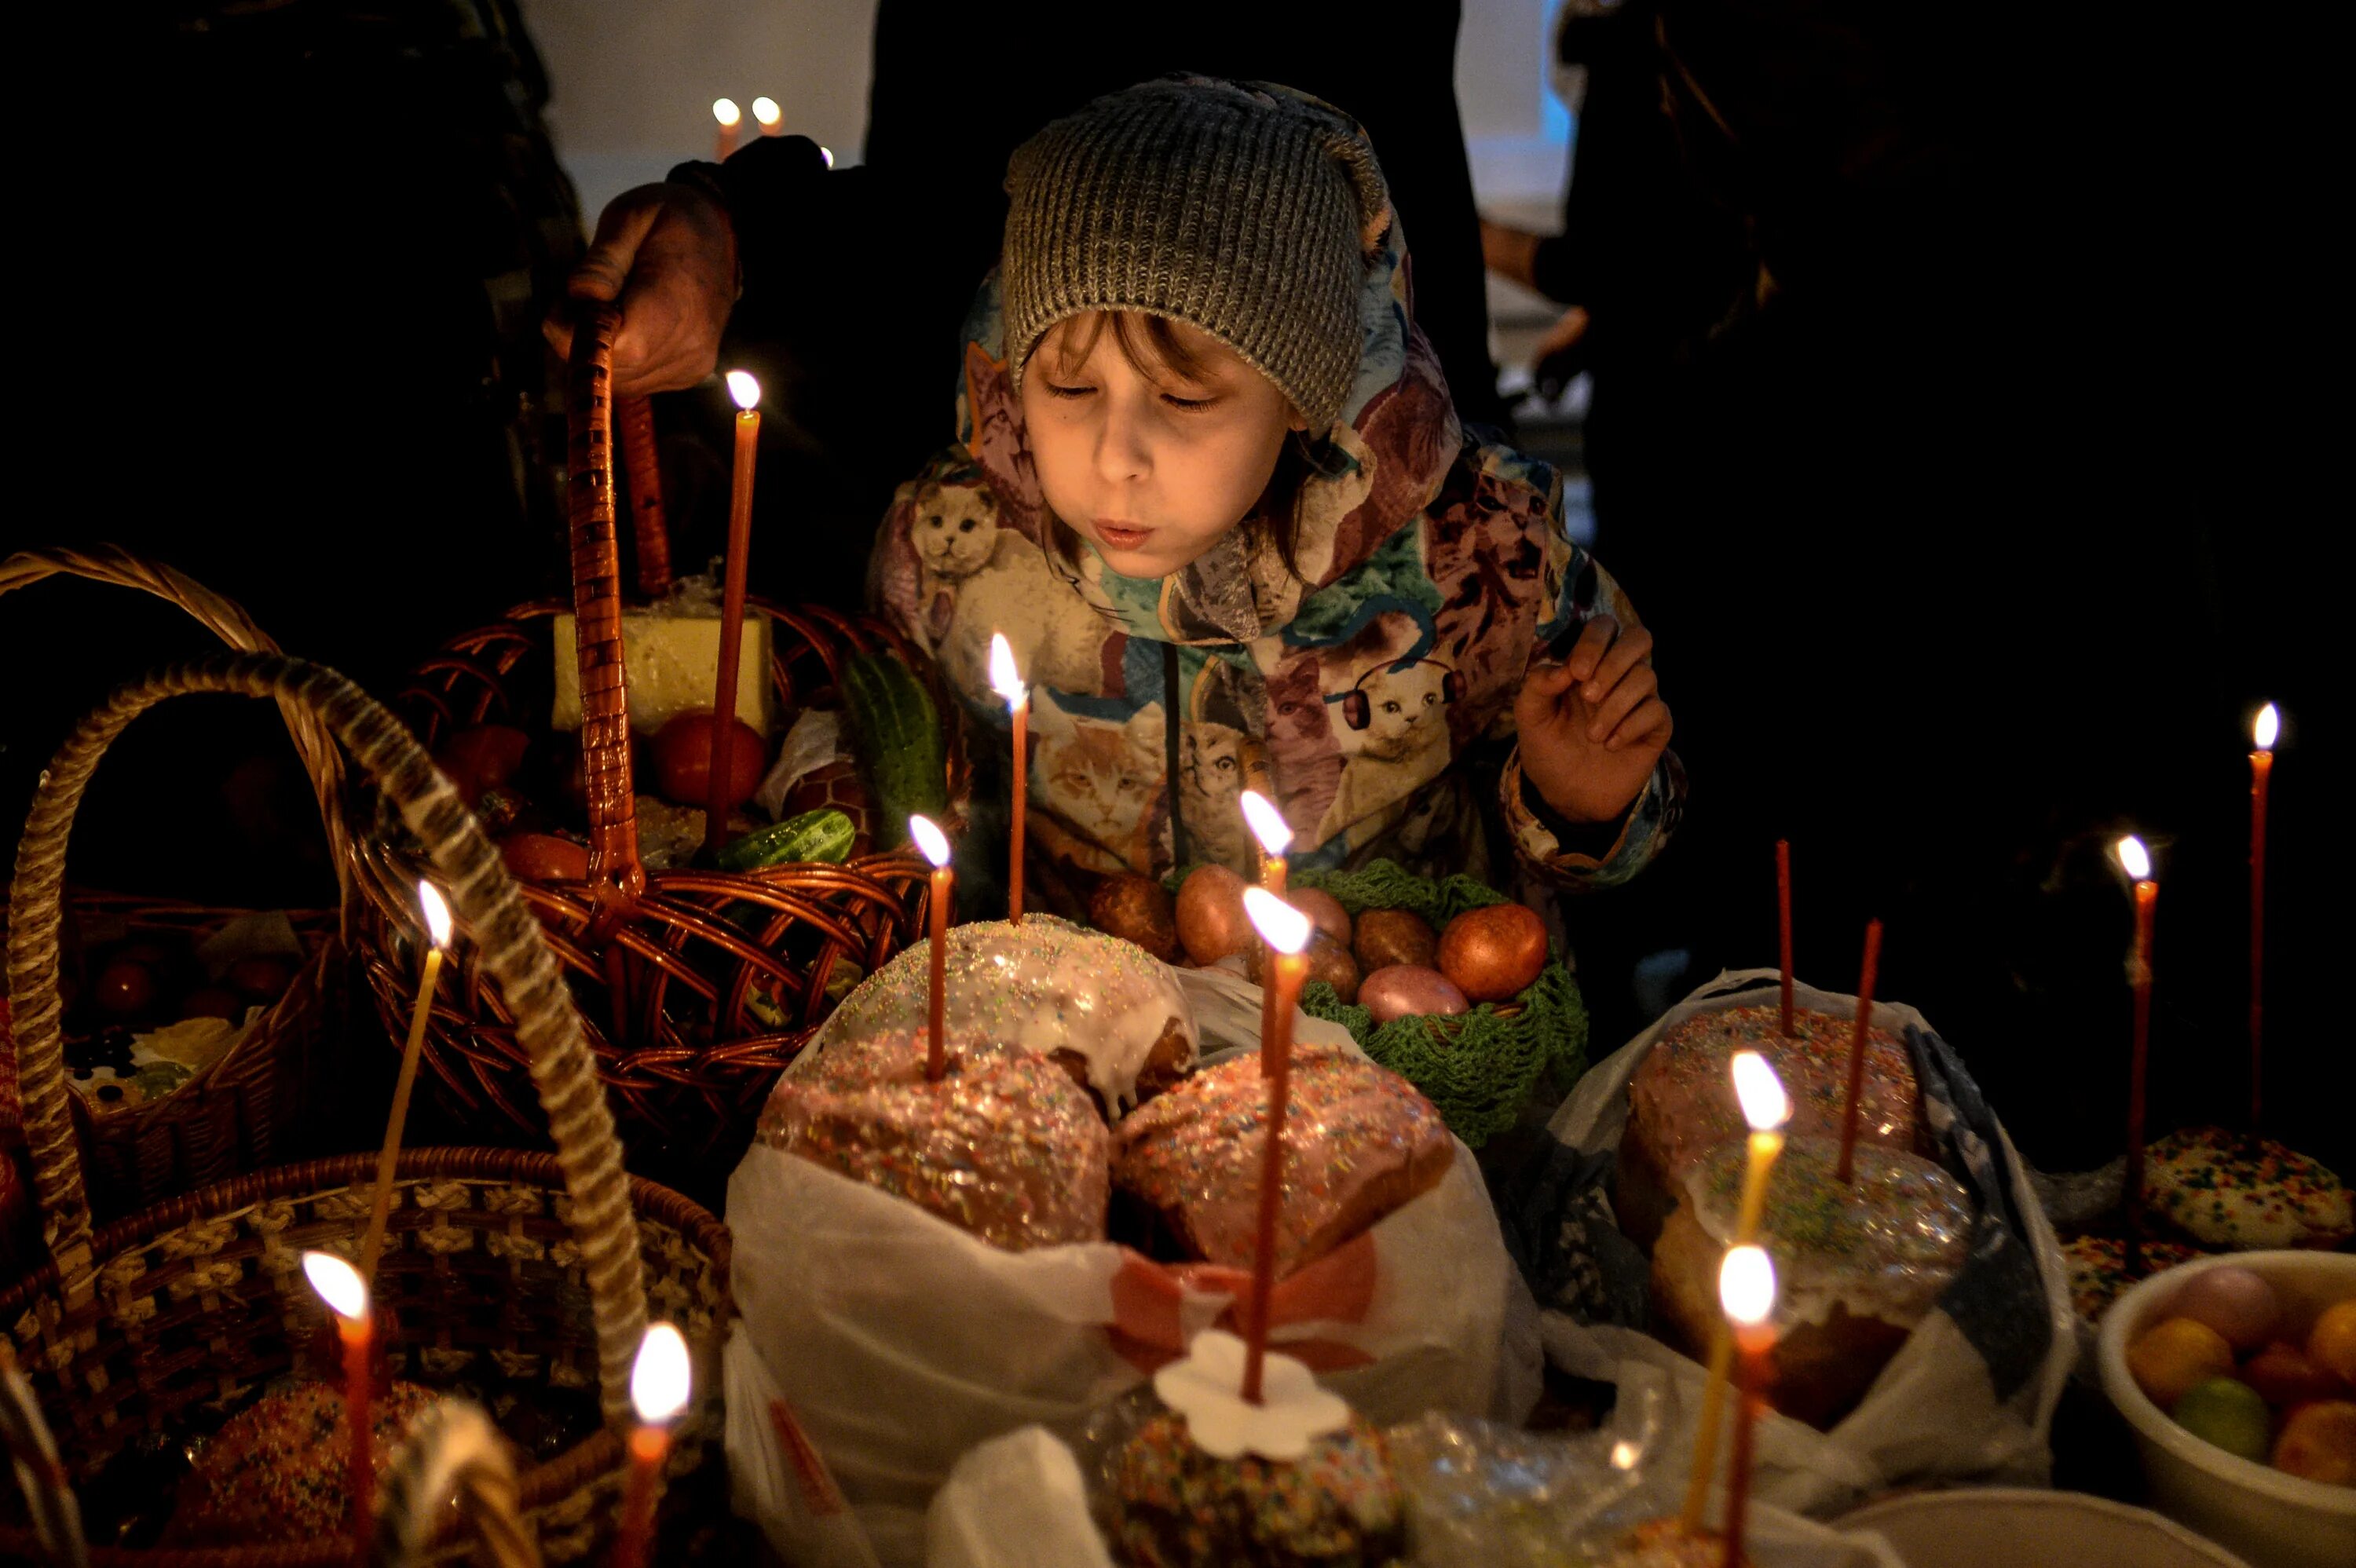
<point>669,660</point>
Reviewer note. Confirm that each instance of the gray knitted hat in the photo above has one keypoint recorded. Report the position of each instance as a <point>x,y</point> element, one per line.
<point>1249,211</point>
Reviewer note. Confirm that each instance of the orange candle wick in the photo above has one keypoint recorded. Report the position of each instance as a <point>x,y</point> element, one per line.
<point>719,799</point>
<point>1856,1048</point>
<point>634,1538</point>
<point>1756,1342</point>
<point>936,1060</point>
<point>358,1341</point>
<point>2146,907</point>
<point>2262,767</point>
<point>1289,971</point>
<point>1022,794</point>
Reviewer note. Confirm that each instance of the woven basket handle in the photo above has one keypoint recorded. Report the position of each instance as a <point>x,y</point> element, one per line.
<point>480,891</point>
<point>227,620</point>
<point>616,876</point>
<point>642,465</point>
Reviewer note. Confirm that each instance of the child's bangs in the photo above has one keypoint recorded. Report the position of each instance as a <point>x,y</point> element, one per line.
<point>1150,342</point>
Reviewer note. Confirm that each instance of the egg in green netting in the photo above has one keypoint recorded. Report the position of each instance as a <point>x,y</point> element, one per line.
<point>2228,1412</point>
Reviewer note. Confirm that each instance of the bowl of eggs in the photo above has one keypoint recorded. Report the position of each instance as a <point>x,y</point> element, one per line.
<point>2238,1376</point>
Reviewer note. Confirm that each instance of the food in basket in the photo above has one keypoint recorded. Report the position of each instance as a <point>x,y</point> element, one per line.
<point>1681,1105</point>
<point>2332,1341</point>
<point>1404,990</point>
<point>2238,1303</point>
<point>1137,909</point>
<point>1106,1011</point>
<point>280,1471</point>
<point>1860,1263</point>
<point>1330,963</point>
<point>1003,1147</point>
<point>262,978</point>
<point>2236,1193</point>
<point>1359,1143</point>
<point>482,757</point>
<point>2319,1441</point>
<point>544,858</point>
<point>2227,1413</point>
<point>1175,1506</point>
<point>2169,1358</point>
<point>1324,911</point>
<point>1494,954</point>
<point>825,834</point>
<point>1389,937</point>
<point>897,738</point>
<point>2099,1273</point>
<point>682,757</point>
<point>1211,919</point>
<point>2291,1401</point>
<point>670,658</point>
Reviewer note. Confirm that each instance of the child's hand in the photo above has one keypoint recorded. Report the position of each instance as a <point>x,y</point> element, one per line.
<point>1593,725</point>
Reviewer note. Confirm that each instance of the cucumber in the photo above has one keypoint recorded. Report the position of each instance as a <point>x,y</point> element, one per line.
<point>897,737</point>
<point>821,835</point>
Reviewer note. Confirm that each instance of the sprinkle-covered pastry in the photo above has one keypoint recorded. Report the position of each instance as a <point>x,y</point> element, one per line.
<point>2098,1269</point>
<point>2236,1193</point>
<point>1175,1506</point>
<point>1666,1543</point>
<point>1358,1143</point>
<point>1681,1103</point>
<point>280,1469</point>
<point>1003,1147</point>
<point>1107,1008</point>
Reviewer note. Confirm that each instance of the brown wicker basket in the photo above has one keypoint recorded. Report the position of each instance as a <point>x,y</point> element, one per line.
<point>239,1113</point>
<point>532,1266</point>
<point>669,987</point>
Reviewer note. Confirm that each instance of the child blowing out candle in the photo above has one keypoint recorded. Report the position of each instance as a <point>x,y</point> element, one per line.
<point>1210,485</point>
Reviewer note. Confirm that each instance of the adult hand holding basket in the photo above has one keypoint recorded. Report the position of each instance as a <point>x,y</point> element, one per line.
<point>522,1260</point>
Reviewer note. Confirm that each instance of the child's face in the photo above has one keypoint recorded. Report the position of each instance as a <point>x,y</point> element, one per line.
<point>1150,467</point>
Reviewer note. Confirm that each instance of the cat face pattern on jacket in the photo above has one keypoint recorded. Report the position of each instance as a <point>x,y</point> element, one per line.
<point>1414,544</point>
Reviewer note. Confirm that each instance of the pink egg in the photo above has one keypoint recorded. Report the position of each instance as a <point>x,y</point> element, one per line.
<point>1403,989</point>
<point>2233,1301</point>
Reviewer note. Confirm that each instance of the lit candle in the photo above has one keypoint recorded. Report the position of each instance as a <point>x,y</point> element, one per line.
<point>1746,1289</point>
<point>1286,931</point>
<point>725,110</point>
<point>2263,733</point>
<point>770,117</point>
<point>1783,924</point>
<point>718,797</point>
<point>1856,1048</point>
<point>2136,861</point>
<point>659,1388</point>
<point>935,845</point>
<point>1275,834</point>
<point>437,927</point>
<point>1766,1107</point>
<point>346,1294</point>
<point>1007,681</point>
<point>826,156</point>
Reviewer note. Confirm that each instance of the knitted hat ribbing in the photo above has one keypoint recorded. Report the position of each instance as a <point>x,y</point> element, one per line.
<point>1247,211</point>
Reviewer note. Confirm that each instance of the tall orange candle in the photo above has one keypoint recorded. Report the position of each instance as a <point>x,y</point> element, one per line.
<point>346,1294</point>
<point>1784,925</point>
<point>935,845</point>
<point>2136,860</point>
<point>2263,733</point>
<point>1746,1289</point>
<point>1856,1047</point>
<point>1767,1108</point>
<point>721,799</point>
<point>659,1383</point>
<point>1007,681</point>
<point>731,119</point>
<point>1286,929</point>
<point>437,928</point>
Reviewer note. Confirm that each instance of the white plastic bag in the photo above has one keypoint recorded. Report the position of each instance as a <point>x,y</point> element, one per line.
<point>1970,1395</point>
<point>899,1342</point>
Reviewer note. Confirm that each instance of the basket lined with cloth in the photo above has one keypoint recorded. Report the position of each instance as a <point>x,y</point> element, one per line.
<point>239,1110</point>
<point>696,985</point>
<point>534,1270</point>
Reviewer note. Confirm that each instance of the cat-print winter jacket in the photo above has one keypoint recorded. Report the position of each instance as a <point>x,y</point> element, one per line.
<point>1433,567</point>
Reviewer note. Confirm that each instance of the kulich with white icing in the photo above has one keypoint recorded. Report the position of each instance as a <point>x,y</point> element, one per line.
<point>2236,1192</point>
<point>1108,1008</point>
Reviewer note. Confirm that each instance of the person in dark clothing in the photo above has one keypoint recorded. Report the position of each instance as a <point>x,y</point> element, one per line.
<point>854,280</point>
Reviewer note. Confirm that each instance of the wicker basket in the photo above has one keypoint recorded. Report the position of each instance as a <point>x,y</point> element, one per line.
<point>239,1113</point>
<point>669,986</point>
<point>531,1265</point>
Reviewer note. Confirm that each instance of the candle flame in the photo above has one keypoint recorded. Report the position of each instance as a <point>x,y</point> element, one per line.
<point>827,155</point>
<point>766,111</point>
<point>1283,927</point>
<point>1765,1105</point>
<point>931,839</point>
<point>1004,678</point>
<point>1746,1285</point>
<point>725,109</point>
<point>437,914</point>
<point>2268,726</point>
<point>1267,824</point>
<point>744,388</point>
<point>1624,1454</point>
<point>660,1378</point>
<point>339,1284</point>
<point>2134,858</point>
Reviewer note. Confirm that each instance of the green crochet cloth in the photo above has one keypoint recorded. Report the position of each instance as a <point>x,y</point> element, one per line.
<point>1479,1070</point>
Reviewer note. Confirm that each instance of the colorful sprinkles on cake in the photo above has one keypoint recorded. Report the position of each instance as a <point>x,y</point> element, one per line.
<point>1686,1084</point>
<point>2243,1193</point>
<point>1177,1507</point>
